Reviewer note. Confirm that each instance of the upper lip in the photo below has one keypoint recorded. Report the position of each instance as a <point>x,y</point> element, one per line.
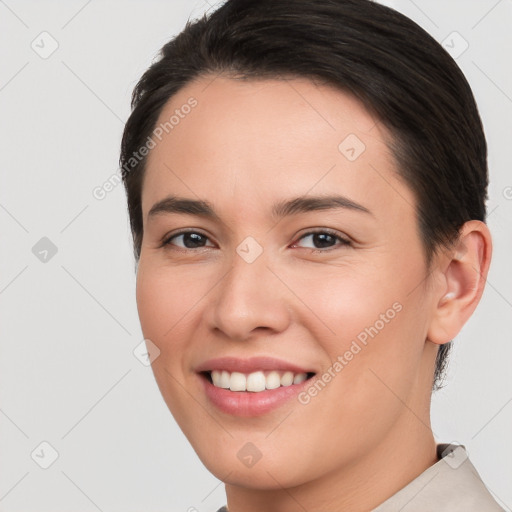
<point>253,364</point>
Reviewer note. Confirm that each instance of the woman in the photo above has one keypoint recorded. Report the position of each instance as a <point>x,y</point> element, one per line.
<point>306,185</point>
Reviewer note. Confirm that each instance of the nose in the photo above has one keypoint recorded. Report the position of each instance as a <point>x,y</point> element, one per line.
<point>249,298</point>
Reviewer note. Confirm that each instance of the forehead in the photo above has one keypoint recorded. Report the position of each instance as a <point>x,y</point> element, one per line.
<point>248,142</point>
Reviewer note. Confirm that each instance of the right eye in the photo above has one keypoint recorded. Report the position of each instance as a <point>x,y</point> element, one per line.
<point>189,240</point>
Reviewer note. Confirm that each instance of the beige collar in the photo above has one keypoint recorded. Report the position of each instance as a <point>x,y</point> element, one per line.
<point>451,484</point>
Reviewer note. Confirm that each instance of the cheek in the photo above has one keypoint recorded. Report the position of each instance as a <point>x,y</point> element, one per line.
<point>165,303</point>
<point>166,300</point>
<point>346,303</point>
<point>374,329</point>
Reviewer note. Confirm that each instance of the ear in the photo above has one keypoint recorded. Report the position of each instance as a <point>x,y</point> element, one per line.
<point>463,276</point>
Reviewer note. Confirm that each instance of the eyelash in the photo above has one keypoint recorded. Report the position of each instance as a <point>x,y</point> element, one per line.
<point>344,241</point>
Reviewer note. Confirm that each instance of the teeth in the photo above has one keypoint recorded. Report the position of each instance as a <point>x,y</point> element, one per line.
<point>221,379</point>
<point>237,382</point>
<point>300,377</point>
<point>287,379</point>
<point>256,381</point>
<point>273,380</point>
<point>224,380</point>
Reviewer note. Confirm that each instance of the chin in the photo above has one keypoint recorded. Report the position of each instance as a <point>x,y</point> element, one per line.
<point>238,462</point>
<point>261,476</point>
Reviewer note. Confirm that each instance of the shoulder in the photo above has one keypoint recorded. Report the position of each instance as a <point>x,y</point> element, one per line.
<point>452,484</point>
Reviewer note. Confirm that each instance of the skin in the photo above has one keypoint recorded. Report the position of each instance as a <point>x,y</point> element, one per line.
<point>246,145</point>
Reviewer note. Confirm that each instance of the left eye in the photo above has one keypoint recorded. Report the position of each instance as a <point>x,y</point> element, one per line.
<point>324,239</point>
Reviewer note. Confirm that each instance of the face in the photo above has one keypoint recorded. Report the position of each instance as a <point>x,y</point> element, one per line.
<point>302,259</point>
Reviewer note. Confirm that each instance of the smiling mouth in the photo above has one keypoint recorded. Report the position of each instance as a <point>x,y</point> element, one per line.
<point>254,382</point>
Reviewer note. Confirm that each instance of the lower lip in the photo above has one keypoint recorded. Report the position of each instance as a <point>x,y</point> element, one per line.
<point>247,403</point>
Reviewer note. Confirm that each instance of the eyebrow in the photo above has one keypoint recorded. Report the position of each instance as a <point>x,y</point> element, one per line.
<point>174,204</point>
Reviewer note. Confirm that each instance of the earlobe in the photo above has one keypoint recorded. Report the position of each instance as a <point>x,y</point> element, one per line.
<point>464,277</point>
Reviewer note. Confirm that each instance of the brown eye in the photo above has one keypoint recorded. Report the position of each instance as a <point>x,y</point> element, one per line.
<point>323,240</point>
<point>188,240</point>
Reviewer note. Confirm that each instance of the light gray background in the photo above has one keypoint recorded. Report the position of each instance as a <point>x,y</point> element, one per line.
<point>68,375</point>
